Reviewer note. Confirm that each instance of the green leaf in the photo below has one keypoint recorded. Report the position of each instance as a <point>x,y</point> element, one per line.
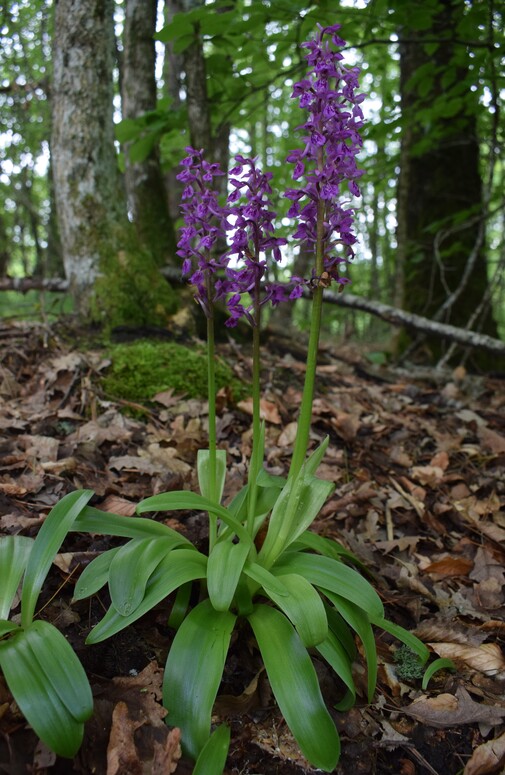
<point>358,620</point>
<point>193,673</point>
<point>265,579</point>
<point>6,627</point>
<point>181,566</point>
<point>303,606</point>
<point>335,576</point>
<point>212,758</point>
<point>131,569</point>
<point>439,664</point>
<point>188,501</point>
<point>327,547</point>
<point>93,520</point>
<point>180,605</point>
<point>49,539</point>
<point>226,562</point>
<point>294,683</point>
<point>337,657</point>
<point>127,129</point>
<point>61,667</point>
<point>14,554</point>
<point>342,632</point>
<point>39,700</point>
<point>95,575</point>
<point>202,464</point>
<point>403,635</point>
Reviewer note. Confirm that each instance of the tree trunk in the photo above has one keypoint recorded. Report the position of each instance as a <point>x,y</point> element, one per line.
<point>441,213</point>
<point>147,199</point>
<point>89,200</point>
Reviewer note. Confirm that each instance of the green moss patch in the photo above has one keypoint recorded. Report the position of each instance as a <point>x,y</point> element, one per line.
<point>141,369</point>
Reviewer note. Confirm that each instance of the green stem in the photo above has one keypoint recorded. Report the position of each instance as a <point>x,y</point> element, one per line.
<point>211,390</point>
<point>305,418</point>
<point>256,396</point>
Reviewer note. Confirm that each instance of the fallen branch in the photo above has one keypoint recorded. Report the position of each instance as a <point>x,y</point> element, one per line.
<point>396,317</point>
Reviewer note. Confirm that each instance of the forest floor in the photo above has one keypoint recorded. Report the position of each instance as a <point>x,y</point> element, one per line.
<point>418,460</point>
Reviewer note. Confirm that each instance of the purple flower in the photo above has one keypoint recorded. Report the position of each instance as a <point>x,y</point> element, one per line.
<point>332,141</point>
<point>204,227</point>
<point>251,237</point>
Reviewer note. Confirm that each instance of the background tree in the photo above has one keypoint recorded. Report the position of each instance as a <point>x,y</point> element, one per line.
<point>442,202</point>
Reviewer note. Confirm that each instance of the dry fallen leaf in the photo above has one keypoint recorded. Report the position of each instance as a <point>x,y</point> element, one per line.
<point>487,758</point>
<point>268,410</point>
<point>487,659</point>
<point>449,710</point>
<point>450,566</point>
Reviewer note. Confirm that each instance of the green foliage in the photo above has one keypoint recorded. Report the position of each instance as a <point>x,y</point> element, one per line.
<point>408,664</point>
<point>130,291</point>
<point>317,599</point>
<point>143,368</point>
<point>41,670</point>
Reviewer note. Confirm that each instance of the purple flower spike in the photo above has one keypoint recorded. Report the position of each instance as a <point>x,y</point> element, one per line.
<point>328,160</point>
<point>204,224</point>
<point>251,209</point>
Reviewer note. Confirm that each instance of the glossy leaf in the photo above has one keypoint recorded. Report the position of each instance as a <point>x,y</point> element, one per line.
<point>294,683</point>
<point>202,465</point>
<point>213,755</point>
<point>93,520</point>
<point>131,568</point>
<point>264,578</point>
<point>296,508</point>
<point>335,576</point>
<point>226,562</point>
<point>14,554</point>
<point>95,575</point>
<point>49,539</point>
<point>6,627</point>
<point>327,547</point>
<point>303,606</point>
<point>193,673</point>
<point>185,500</point>
<point>443,663</point>
<point>337,657</point>
<point>403,635</point>
<point>181,566</point>
<point>180,605</point>
<point>30,676</point>
<point>358,620</point>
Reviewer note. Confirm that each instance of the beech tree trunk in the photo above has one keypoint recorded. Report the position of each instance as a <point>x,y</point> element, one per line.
<point>145,188</point>
<point>90,202</point>
<point>442,271</point>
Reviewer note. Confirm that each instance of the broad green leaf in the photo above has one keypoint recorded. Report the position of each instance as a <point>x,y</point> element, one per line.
<point>213,755</point>
<point>93,520</point>
<point>180,605</point>
<point>303,606</point>
<point>358,620</point>
<point>49,539</point>
<point>264,578</point>
<point>193,673</point>
<point>131,569</point>
<point>188,501</point>
<point>335,576</point>
<point>296,508</point>
<point>226,562</point>
<point>95,575</point>
<point>181,566</point>
<point>410,640</point>
<point>14,554</point>
<point>337,657</point>
<point>294,683</point>
<point>60,666</point>
<point>327,547</point>
<point>342,632</point>
<point>37,699</point>
<point>6,627</point>
<point>439,664</point>
<point>202,465</point>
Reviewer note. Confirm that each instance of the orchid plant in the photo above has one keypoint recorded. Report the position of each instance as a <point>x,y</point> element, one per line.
<point>301,594</point>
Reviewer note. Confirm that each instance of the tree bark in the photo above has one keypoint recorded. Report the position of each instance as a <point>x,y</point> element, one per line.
<point>441,211</point>
<point>90,203</point>
<point>145,188</point>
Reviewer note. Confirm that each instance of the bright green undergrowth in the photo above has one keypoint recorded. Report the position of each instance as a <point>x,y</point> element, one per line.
<point>141,369</point>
